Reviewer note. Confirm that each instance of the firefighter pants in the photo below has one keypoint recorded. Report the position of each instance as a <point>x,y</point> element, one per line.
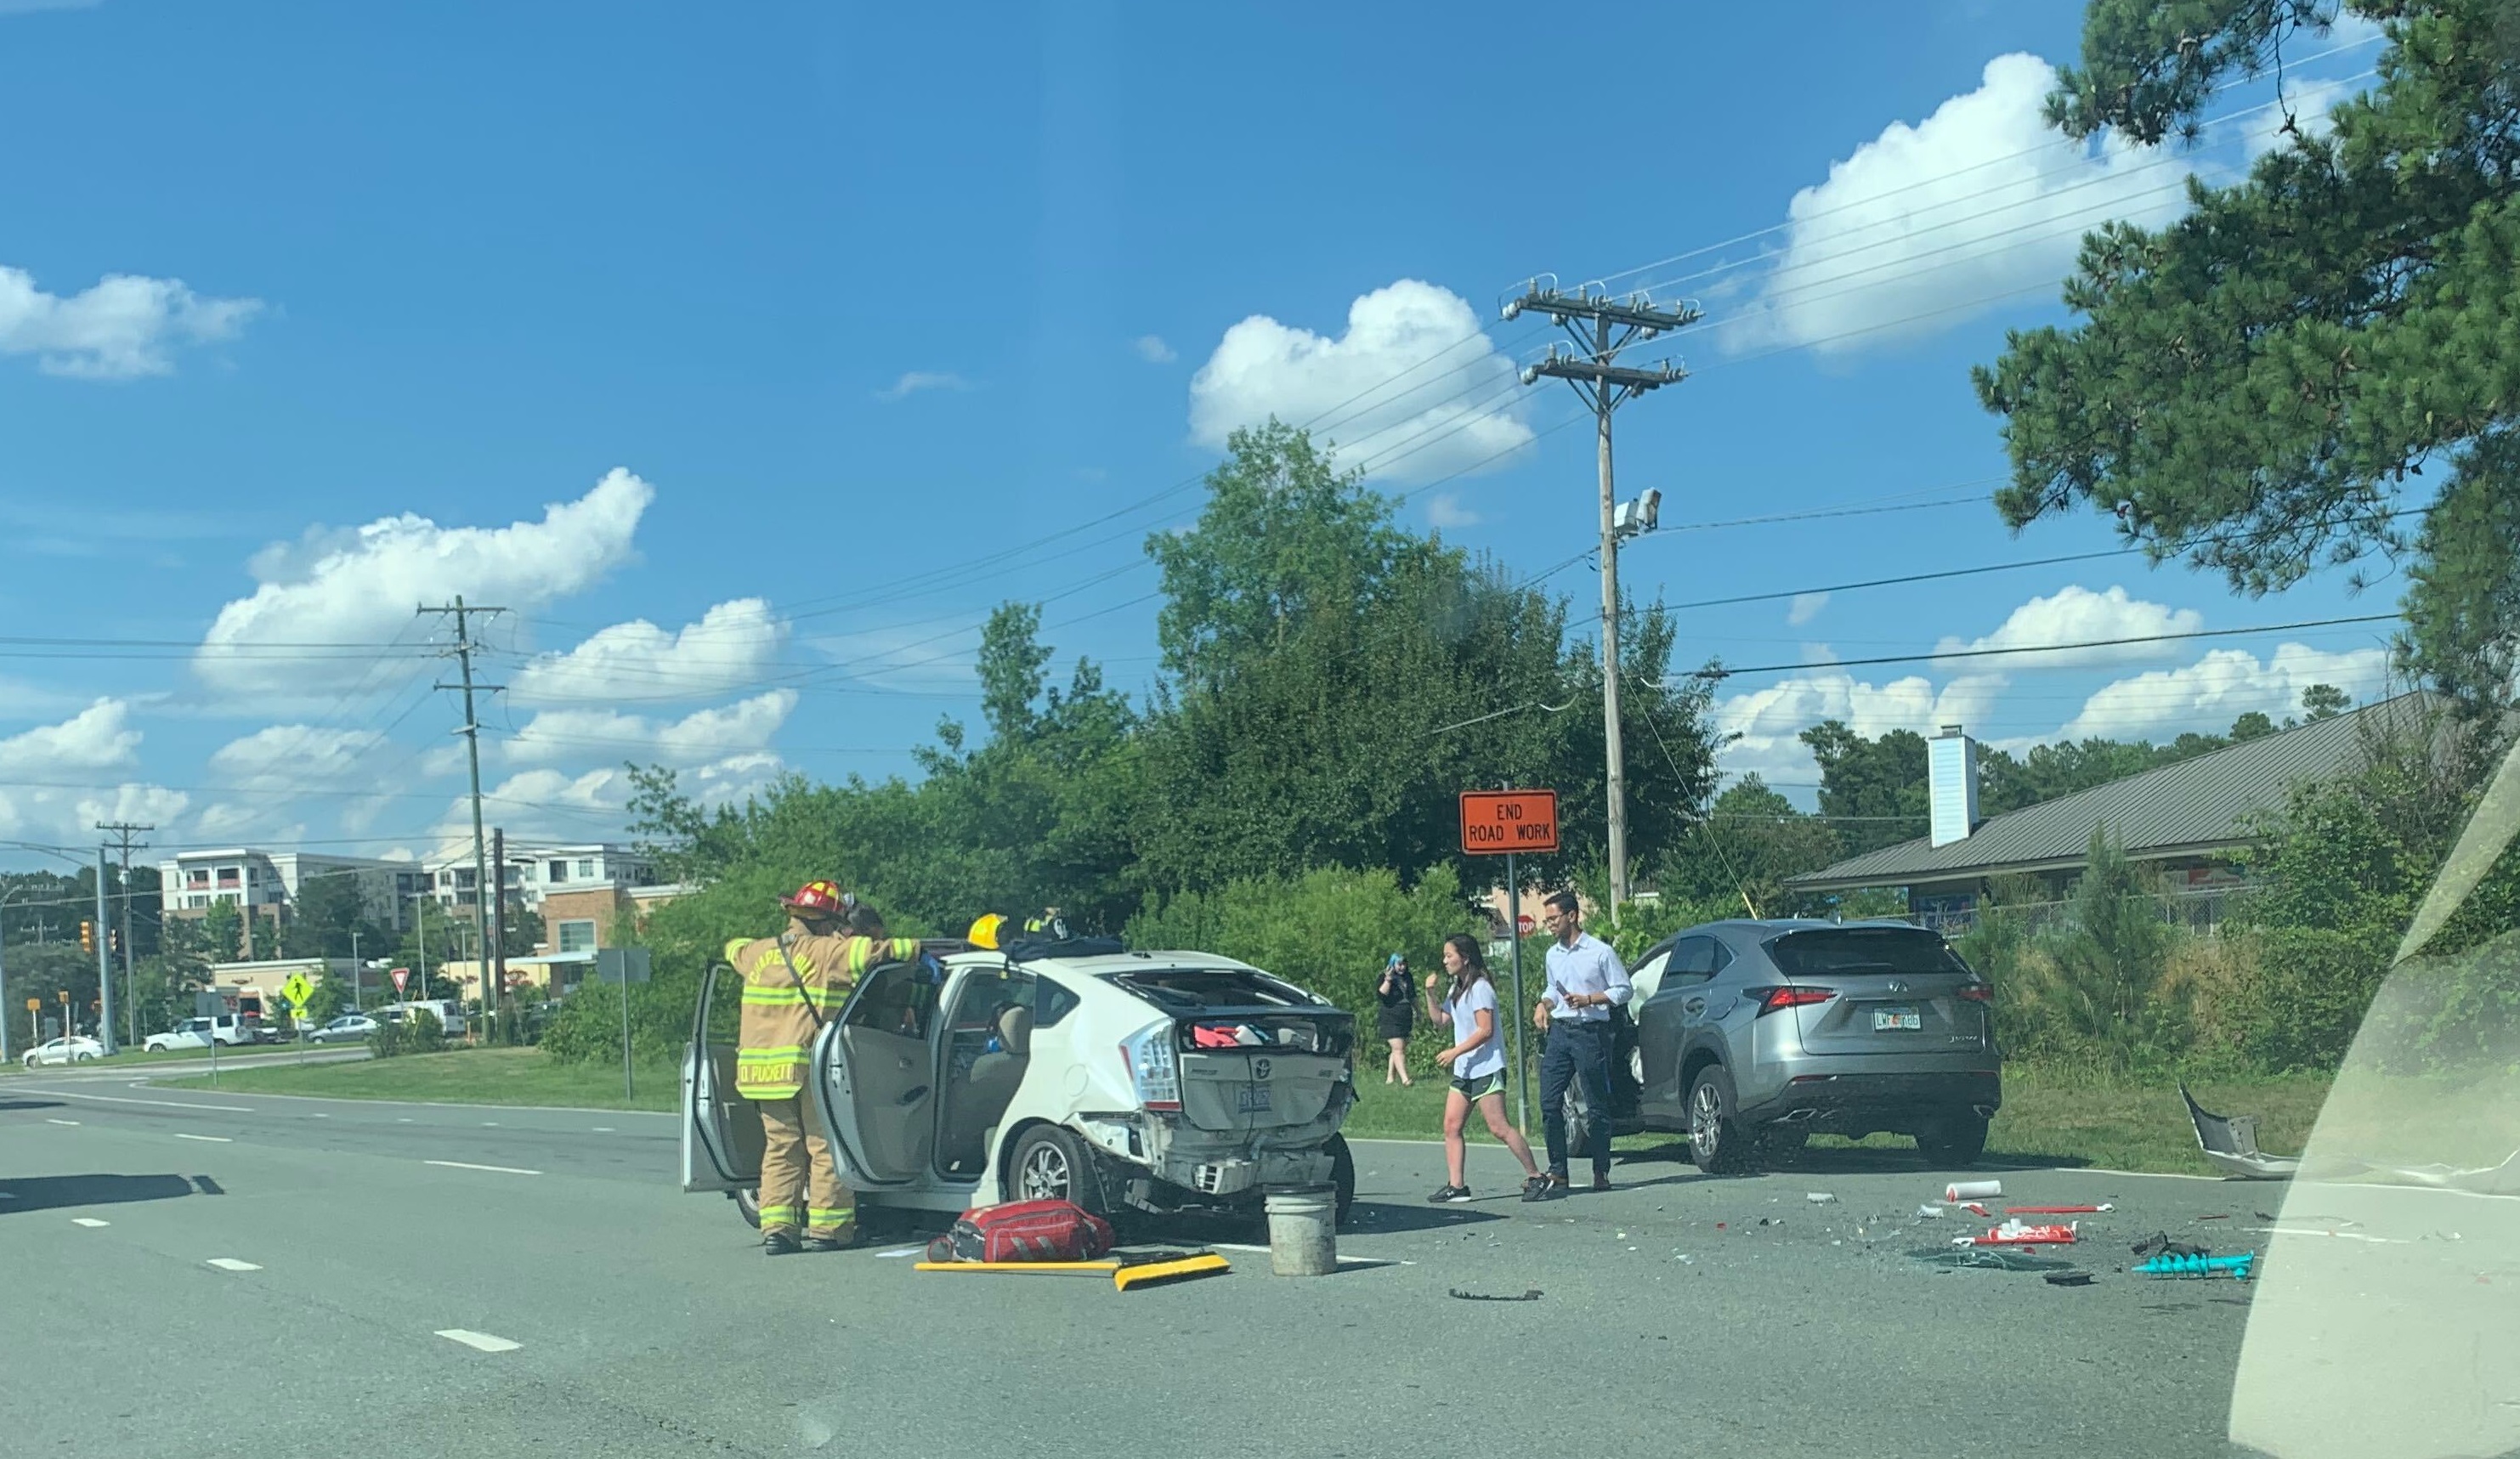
<point>799,1184</point>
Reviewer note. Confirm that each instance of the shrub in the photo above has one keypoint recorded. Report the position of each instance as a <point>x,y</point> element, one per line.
<point>418,1033</point>
<point>586,1028</point>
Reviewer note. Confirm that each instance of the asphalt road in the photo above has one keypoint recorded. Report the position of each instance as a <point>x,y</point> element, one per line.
<point>1678,1314</point>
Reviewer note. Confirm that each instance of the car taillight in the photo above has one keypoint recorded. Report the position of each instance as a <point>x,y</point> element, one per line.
<point>1153,1068</point>
<point>1772,999</point>
<point>1978,993</point>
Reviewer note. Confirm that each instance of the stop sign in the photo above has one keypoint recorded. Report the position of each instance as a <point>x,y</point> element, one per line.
<point>1524,924</point>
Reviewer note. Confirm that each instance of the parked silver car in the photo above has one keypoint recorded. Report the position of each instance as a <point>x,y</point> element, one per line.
<point>1758,1035</point>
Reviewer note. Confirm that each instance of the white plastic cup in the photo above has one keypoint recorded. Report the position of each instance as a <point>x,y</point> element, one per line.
<point>1972,1190</point>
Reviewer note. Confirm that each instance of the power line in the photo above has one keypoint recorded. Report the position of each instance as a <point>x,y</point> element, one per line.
<point>1956,653</point>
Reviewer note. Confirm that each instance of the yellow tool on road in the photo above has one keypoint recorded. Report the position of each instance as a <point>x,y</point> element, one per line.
<point>1152,1270</point>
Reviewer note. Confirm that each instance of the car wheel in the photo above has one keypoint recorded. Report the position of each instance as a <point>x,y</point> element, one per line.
<point>748,1203</point>
<point>1343,1178</point>
<point>1953,1142</point>
<point>1051,1164</point>
<point>1717,1141</point>
<point>82,1058</point>
<point>1578,1121</point>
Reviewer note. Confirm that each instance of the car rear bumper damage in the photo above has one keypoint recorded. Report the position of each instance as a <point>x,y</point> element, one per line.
<point>1862,1103</point>
<point>1160,1163</point>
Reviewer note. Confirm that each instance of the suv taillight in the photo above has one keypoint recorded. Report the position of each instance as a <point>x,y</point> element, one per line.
<point>1153,1068</point>
<point>1771,1000</point>
<point>1978,993</point>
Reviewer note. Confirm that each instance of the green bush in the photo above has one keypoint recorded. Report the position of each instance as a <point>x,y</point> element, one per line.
<point>587,1026</point>
<point>419,1032</point>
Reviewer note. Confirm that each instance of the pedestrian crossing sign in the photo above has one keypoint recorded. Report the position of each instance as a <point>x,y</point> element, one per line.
<point>296,992</point>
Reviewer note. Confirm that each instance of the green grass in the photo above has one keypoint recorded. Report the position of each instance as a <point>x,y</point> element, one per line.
<point>18,1052</point>
<point>2049,1116</point>
<point>463,1076</point>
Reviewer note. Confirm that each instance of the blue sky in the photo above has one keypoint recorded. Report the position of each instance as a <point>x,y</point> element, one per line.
<point>713,341</point>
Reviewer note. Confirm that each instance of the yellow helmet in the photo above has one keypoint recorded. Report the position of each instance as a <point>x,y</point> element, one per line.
<point>984,932</point>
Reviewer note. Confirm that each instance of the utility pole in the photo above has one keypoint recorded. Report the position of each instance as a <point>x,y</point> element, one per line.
<point>358,998</point>
<point>1602,327</point>
<point>103,963</point>
<point>126,830</point>
<point>472,733</point>
<point>494,983</point>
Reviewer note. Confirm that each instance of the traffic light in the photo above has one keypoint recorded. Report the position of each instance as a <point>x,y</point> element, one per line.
<point>114,940</point>
<point>87,937</point>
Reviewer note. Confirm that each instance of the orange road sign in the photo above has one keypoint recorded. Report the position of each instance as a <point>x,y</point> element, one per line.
<point>1497,821</point>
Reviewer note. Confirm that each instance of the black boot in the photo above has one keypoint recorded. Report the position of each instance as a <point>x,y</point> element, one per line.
<point>779,1244</point>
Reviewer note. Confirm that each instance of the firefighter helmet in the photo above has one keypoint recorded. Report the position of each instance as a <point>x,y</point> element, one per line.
<point>819,899</point>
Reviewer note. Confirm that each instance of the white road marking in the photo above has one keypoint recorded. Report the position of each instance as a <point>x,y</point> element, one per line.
<point>481,1340</point>
<point>906,1250</point>
<point>1346,1259</point>
<point>466,1165</point>
<point>489,1124</point>
<point>231,1263</point>
<point>2315,1231</point>
<point>215,1139</point>
<point>173,1104</point>
<point>61,1122</point>
<point>604,1129</point>
<point>323,1117</point>
<point>404,1120</point>
<point>88,1221</point>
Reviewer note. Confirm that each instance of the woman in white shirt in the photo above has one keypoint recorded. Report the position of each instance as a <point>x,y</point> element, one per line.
<point>1476,1059</point>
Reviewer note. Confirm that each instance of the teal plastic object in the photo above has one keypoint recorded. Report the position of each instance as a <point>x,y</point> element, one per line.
<point>2165,1264</point>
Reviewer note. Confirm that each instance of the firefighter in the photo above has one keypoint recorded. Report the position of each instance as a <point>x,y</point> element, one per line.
<point>792,984</point>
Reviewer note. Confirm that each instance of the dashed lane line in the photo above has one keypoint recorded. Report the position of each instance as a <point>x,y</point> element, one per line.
<point>215,1139</point>
<point>231,1263</point>
<point>171,1104</point>
<point>466,1165</point>
<point>485,1342</point>
<point>61,1122</point>
<point>89,1221</point>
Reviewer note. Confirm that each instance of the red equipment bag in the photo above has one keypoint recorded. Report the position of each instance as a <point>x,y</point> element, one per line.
<point>1025,1231</point>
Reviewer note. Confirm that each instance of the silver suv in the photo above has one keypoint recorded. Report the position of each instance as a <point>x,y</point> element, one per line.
<point>1758,1035</point>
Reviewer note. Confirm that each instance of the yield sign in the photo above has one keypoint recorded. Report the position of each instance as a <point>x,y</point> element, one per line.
<point>401,976</point>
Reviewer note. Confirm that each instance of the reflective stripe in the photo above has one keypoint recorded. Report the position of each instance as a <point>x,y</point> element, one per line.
<point>826,1216</point>
<point>771,1213</point>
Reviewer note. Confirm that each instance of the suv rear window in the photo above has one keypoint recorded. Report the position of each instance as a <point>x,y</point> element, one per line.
<point>1195,989</point>
<point>1887,949</point>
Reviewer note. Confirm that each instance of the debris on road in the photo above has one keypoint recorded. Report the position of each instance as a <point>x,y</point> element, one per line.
<point>1820,1197</point>
<point>2166,1265</point>
<point>1972,1190</point>
<point>2057,1210</point>
<point>2223,1215</point>
<point>2014,1233</point>
<point>1977,1208</point>
<point>1531,1295</point>
<point>2159,1243</point>
<point>2069,1279</point>
<point>2229,1143</point>
<point>1931,1213</point>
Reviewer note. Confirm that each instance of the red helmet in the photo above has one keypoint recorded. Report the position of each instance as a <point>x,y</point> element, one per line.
<point>820,897</point>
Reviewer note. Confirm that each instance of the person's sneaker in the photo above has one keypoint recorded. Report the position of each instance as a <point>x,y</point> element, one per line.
<point>1546,1188</point>
<point>1601,1180</point>
<point>779,1244</point>
<point>1533,1186</point>
<point>1450,1195</point>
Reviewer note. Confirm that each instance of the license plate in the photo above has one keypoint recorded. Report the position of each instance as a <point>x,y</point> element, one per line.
<point>1252,1100</point>
<point>1885,1019</point>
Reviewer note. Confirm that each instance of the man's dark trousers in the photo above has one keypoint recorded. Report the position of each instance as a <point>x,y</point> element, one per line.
<point>1576,1051</point>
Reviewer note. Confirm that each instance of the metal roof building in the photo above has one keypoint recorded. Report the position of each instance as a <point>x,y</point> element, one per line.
<point>2196,812</point>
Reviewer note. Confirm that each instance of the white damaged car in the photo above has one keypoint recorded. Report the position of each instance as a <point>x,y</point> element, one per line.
<point>1126,1081</point>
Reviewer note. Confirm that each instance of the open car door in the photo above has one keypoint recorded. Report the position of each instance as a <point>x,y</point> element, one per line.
<point>721,1129</point>
<point>876,1068</point>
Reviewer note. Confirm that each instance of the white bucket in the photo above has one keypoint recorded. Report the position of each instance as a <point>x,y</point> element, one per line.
<point>1303,1235</point>
<point>1972,1190</point>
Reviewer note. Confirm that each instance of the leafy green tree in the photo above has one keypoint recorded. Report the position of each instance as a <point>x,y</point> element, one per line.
<point>223,931</point>
<point>1875,792</point>
<point>1739,856</point>
<point>2250,386</point>
<point>2324,701</point>
<point>2103,980</point>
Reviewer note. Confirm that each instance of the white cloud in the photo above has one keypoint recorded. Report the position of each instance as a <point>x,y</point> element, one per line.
<point>1975,203</point>
<point>2307,101</point>
<point>122,327</point>
<point>581,734</point>
<point>1152,349</point>
<point>1806,608</point>
<point>2077,615</point>
<point>1768,722</point>
<point>732,645</point>
<point>2218,688</point>
<point>914,381</point>
<point>28,7</point>
<point>53,766</point>
<point>361,584</point>
<point>1445,509</point>
<point>1414,390</point>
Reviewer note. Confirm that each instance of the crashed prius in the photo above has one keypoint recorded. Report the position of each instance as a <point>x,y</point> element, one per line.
<point>1130,1082</point>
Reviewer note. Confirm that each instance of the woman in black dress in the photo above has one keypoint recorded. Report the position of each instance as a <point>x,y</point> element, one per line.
<point>1396,1017</point>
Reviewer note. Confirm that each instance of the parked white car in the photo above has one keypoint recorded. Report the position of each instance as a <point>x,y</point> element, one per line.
<point>350,1027</point>
<point>77,1048</point>
<point>1124,1082</point>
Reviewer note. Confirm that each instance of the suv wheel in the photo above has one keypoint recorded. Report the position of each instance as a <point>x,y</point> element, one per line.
<point>1717,1142</point>
<point>1050,1164</point>
<point>748,1203</point>
<point>1343,1178</point>
<point>1953,1142</point>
